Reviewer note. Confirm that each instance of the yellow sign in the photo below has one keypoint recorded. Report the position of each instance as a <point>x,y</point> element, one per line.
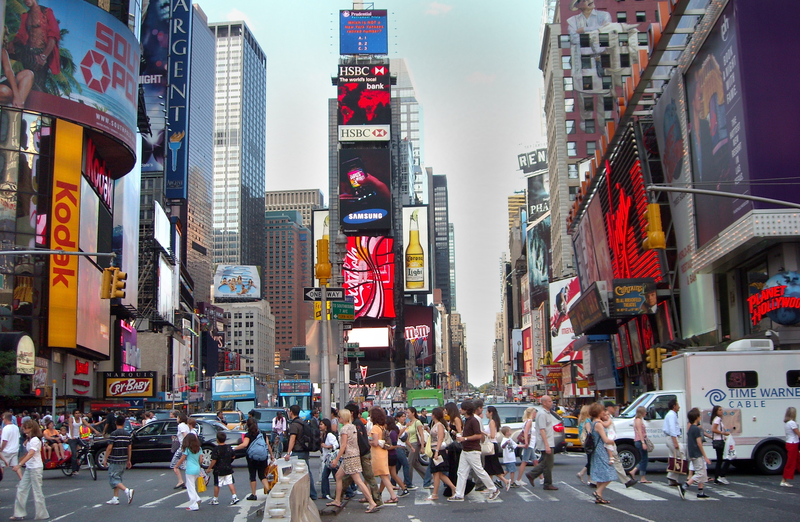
<point>318,310</point>
<point>583,383</point>
<point>64,233</point>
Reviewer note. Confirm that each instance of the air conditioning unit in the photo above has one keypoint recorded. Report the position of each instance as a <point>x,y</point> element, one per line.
<point>751,345</point>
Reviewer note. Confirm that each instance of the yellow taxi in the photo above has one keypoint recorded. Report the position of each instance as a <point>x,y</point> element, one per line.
<point>571,433</point>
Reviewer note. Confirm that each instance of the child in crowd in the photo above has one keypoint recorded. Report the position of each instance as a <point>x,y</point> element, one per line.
<point>52,442</point>
<point>222,466</point>
<point>697,454</point>
<point>509,454</point>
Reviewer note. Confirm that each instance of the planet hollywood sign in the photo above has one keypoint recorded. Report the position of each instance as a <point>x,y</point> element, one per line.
<point>779,300</point>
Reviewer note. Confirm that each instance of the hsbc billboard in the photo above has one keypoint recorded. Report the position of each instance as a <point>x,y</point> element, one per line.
<point>364,93</point>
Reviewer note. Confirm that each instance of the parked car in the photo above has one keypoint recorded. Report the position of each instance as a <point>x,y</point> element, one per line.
<point>511,415</point>
<point>571,432</point>
<point>153,442</point>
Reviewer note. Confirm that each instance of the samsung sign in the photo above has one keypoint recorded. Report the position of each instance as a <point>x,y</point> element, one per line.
<point>365,216</point>
<point>363,132</point>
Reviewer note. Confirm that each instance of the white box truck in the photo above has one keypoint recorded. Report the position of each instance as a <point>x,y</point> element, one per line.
<point>753,387</point>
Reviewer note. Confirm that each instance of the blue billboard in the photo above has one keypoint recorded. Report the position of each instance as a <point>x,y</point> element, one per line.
<point>363,32</point>
<point>180,33</point>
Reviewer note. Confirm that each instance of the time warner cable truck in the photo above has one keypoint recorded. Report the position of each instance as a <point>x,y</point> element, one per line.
<point>754,386</point>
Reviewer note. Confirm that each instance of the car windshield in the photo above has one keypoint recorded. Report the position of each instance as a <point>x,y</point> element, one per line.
<point>630,411</point>
<point>569,422</point>
<point>265,415</point>
<point>232,418</point>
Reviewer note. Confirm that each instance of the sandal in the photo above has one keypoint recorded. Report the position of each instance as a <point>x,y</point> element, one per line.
<point>391,501</point>
<point>600,500</point>
<point>372,510</point>
<point>431,498</point>
<point>333,504</point>
<point>645,481</point>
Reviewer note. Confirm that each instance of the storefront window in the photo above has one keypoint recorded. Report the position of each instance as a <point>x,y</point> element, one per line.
<point>756,278</point>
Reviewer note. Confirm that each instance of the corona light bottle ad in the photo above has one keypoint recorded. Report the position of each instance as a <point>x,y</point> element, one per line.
<point>415,256</point>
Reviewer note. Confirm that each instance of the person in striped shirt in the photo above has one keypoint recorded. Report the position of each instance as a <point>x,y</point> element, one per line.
<point>118,457</point>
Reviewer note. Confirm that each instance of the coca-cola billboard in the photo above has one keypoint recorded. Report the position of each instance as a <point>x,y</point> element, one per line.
<point>120,385</point>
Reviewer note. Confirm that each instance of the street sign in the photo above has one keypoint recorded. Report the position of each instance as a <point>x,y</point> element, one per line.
<point>347,326</point>
<point>315,294</point>
<point>337,310</point>
<point>354,355</point>
<point>353,346</point>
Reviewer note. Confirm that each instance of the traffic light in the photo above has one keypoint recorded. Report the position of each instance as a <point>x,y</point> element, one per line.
<point>654,237</point>
<point>651,359</point>
<point>105,288</point>
<point>323,266</point>
<point>661,354</point>
<point>118,284</point>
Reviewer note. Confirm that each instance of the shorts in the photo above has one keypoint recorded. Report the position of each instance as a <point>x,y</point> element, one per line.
<point>257,467</point>
<point>175,458</point>
<point>527,455</point>
<point>224,480</point>
<point>115,471</point>
<point>700,476</point>
<point>510,467</point>
<point>11,458</point>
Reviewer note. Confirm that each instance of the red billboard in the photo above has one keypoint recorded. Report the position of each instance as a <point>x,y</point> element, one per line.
<point>368,271</point>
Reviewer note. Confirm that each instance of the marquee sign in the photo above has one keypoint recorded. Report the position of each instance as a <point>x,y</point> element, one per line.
<point>129,384</point>
<point>779,300</point>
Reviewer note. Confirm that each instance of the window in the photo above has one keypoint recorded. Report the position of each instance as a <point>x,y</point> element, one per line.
<point>641,16</point>
<point>572,171</point>
<point>587,83</point>
<point>588,103</point>
<point>602,39</point>
<point>570,127</point>
<point>589,127</point>
<point>572,148</point>
<point>606,82</point>
<point>624,60</point>
<point>573,193</point>
<point>608,103</point>
<point>564,41</point>
<point>622,38</point>
<point>585,41</point>
<point>591,146</point>
<point>660,407</point>
<point>568,86</point>
<point>642,37</point>
<point>569,104</point>
<point>605,61</point>
<point>622,17</point>
<point>793,378</point>
<point>566,62</point>
<point>743,379</point>
<point>586,62</point>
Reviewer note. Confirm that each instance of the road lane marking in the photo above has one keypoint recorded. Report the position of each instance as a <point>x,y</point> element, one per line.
<point>188,503</point>
<point>62,516</point>
<point>581,494</point>
<point>626,513</point>
<point>672,490</point>
<point>156,502</point>
<point>62,492</point>
<point>727,493</point>
<point>632,493</point>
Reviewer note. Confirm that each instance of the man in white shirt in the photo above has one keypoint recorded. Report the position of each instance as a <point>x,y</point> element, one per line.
<point>545,443</point>
<point>9,447</point>
<point>672,429</point>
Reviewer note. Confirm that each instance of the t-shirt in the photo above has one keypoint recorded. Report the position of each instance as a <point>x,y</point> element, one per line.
<point>691,443</point>
<point>544,421</point>
<point>119,442</point>
<point>351,450</point>
<point>720,427</point>
<point>296,428</point>
<point>330,439</point>
<point>11,437</point>
<point>51,434</point>
<point>791,436</point>
<point>472,426</point>
<point>75,428</point>
<point>34,462</point>
<point>192,462</point>
<point>509,455</point>
<point>278,425</point>
<point>223,455</point>
<point>412,432</point>
<point>183,430</point>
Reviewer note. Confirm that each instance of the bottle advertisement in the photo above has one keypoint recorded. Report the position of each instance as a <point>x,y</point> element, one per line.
<point>416,251</point>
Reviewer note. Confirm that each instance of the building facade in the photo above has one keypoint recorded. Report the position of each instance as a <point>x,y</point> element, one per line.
<point>441,240</point>
<point>252,335</point>
<point>303,201</point>
<point>239,146</point>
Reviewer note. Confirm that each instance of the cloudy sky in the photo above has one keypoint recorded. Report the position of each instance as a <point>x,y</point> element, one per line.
<point>475,65</point>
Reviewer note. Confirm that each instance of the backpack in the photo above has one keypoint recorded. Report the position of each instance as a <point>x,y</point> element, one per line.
<point>312,435</point>
<point>257,449</point>
<point>363,440</point>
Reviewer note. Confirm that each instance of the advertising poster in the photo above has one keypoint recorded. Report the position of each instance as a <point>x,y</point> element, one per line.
<point>532,161</point>
<point>538,196</point>
<point>563,294</point>
<point>177,138</point>
<point>624,346</point>
<point>79,376</point>
<point>155,57</point>
<point>237,282</point>
<point>527,351</point>
<point>320,229</point>
<point>420,344</point>
<point>368,271</point>
<point>131,356</point>
<point>634,297</point>
<point>538,244</point>
<point>417,262</point>
<point>583,244</point>
<point>633,336</point>
<point>525,295</point>
<point>181,364</point>
<point>602,254</point>
<point>363,32</point>
<point>364,102</point>
<point>718,138</point>
<point>125,234</point>
<point>94,313</point>
<point>91,75</point>
<point>365,200</point>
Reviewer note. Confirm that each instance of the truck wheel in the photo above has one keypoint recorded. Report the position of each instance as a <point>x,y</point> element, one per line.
<point>628,456</point>
<point>770,459</point>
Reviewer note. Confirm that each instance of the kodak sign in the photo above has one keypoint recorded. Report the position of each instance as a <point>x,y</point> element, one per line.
<point>64,233</point>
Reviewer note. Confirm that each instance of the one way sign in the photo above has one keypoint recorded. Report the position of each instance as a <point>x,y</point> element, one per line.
<point>315,294</point>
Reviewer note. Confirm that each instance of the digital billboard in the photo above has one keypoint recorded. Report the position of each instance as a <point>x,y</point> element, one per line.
<point>364,102</point>
<point>528,364</point>
<point>89,75</point>
<point>591,247</point>
<point>177,138</point>
<point>538,245</point>
<point>717,129</point>
<point>125,233</point>
<point>94,313</point>
<point>166,298</point>
<point>365,200</point>
<point>417,261</point>
<point>420,345</point>
<point>368,270</point>
<point>237,282</point>
<point>563,294</point>
<point>363,32</point>
<point>153,77</point>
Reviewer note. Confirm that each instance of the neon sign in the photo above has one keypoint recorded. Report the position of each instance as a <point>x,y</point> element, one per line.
<point>779,300</point>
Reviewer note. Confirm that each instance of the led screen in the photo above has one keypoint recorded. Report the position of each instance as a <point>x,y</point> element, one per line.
<point>365,200</point>
<point>420,344</point>
<point>93,312</point>
<point>416,250</point>
<point>363,32</point>
<point>368,271</point>
<point>166,303</point>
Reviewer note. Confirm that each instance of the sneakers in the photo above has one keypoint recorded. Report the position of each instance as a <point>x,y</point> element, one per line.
<point>455,498</point>
<point>404,493</point>
<point>328,497</point>
<point>214,501</point>
<point>413,488</point>
<point>681,492</point>
<point>702,495</point>
<point>114,501</point>
<point>251,497</point>
<point>234,500</point>
<point>429,486</point>
<point>786,484</point>
<point>494,494</point>
<point>518,483</point>
<point>722,480</point>
<point>129,492</point>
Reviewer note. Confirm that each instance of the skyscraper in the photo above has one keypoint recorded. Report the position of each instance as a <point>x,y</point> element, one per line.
<point>286,271</point>
<point>239,146</point>
<point>252,330</point>
<point>410,120</point>
<point>441,240</point>
<point>304,201</point>
<point>451,234</point>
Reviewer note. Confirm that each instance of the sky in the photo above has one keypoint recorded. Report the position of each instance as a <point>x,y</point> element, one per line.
<point>475,66</point>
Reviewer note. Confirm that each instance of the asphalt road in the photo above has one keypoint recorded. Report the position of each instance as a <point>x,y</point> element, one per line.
<point>749,497</point>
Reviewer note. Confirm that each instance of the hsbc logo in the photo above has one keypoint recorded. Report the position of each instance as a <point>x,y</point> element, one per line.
<point>363,133</point>
<point>350,71</point>
<point>379,70</point>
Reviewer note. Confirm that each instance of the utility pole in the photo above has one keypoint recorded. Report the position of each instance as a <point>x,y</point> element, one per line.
<point>323,273</point>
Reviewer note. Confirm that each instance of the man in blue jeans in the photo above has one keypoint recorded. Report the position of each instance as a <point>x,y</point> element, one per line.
<point>297,445</point>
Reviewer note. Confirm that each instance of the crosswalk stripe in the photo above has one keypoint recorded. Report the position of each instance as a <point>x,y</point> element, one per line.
<point>533,494</point>
<point>633,493</point>
<point>727,493</point>
<point>672,490</point>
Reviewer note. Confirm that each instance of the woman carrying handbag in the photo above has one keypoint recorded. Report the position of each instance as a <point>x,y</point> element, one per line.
<point>643,444</point>
<point>718,434</point>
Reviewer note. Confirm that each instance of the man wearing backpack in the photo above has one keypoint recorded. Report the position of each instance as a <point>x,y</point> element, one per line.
<point>300,442</point>
<point>366,457</point>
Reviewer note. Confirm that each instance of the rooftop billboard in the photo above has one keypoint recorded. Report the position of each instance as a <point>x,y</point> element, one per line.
<point>237,282</point>
<point>363,32</point>
<point>364,99</point>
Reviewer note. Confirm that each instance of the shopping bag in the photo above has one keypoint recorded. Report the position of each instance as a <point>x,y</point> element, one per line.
<point>730,448</point>
<point>201,484</point>
<point>678,465</point>
<point>428,450</point>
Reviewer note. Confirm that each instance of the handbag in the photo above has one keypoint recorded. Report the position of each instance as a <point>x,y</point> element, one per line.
<point>201,484</point>
<point>428,450</point>
<point>678,465</point>
<point>649,444</point>
<point>487,447</point>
